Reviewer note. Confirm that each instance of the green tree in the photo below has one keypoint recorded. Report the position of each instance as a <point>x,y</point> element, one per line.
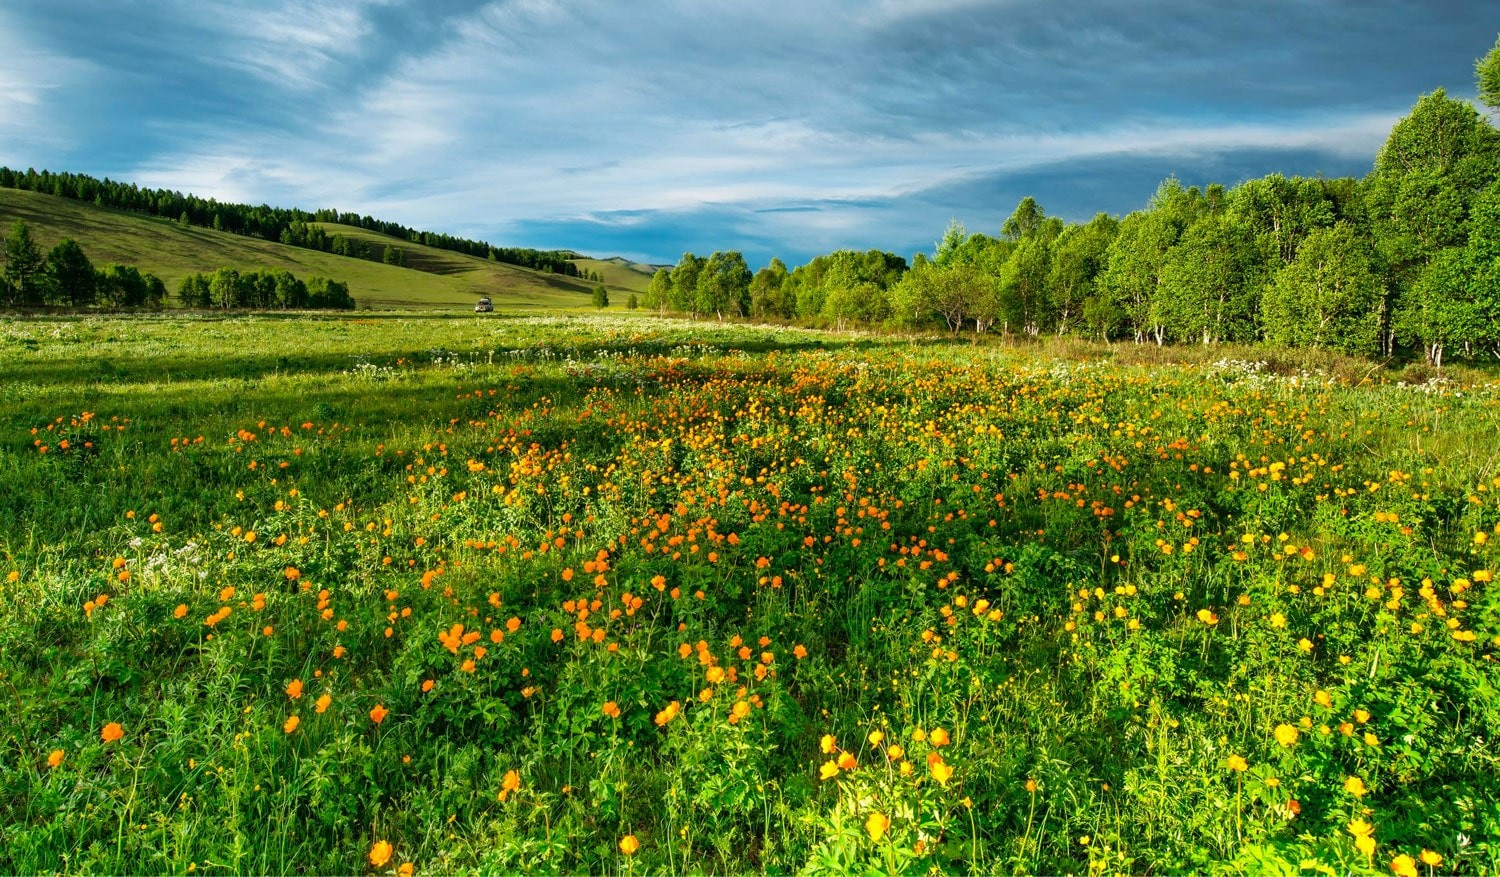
<point>1025,221</point>
<point>1328,296</point>
<point>601,297</point>
<point>24,265</point>
<point>1487,72</point>
<point>1078,258</point>
<point>683,296</point>
<point>394,256</point>
<point>953,293</point>
<point>71,274</point>
<point>225,289</point>
<point>632,302</point>
<point>724,285</point>
<point>1210,286</point>
<point>766,292</point>
<point>194,292</point>
<point>1137,256</point>
<point>659,292</point>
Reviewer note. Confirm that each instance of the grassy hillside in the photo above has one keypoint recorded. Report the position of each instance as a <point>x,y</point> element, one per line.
<point>504,283</point>
<point>171,251</point>
<point>619,272</point>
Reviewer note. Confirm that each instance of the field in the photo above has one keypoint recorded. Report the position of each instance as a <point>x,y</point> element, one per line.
<point>437,279</point>
<point>408,594</point>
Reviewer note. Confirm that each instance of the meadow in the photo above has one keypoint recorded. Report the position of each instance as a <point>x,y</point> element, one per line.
<point>394,593</point>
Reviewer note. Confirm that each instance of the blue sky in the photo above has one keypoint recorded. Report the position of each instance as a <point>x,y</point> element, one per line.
<point>780,127</point>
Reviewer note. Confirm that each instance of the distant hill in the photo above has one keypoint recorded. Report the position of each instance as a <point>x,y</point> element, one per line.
<point>433,277</point>
<point>619,272</point>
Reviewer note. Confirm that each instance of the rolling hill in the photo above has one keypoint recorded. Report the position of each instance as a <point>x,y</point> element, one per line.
<point>434,278</point>
<point>620,273</point>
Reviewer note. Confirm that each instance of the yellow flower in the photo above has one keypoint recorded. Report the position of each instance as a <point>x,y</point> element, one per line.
<point>829,770</point>
<point>1304,645</point>
<point>876,826</point>
<point>1431,859</point>
<point>827,744</point>
<point>1361,716</point>
<point>1366,845</point>
<point>1278,620</point>
<point>1286,734</point>
<point>940,771</point>
<point>939,737</point>
<point>875,737</point>
<point>1236,763</point>
<point>628,844</point>
<point>1355,786</point>
<point>1404,866</point>
<point>380,853</point>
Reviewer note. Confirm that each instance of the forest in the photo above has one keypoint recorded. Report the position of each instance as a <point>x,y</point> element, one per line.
<point>1405,260</point>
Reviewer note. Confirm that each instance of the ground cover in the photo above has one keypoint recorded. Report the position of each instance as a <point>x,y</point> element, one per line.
<point>615,594</point>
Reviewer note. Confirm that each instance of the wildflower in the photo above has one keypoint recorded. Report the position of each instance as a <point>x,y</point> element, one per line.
<point>294,689</point>
<point>829,770</point>
<point>378,714</point>
<point>827,744</point>
<point>1404,866</point>
<point>291,724</point>
<point>875,737</point>
<point>322,703</point>
<point>380,853</point>
<point>669,713</point>
<point>1286,734</point>
<point>939,737</point>
<point>611,709</point>
<point>1355,786</point>
<point>1237,763</point>
<point>628,844</point>
<point>940,771</point>
<point>1431,859</point>
<point>406,870</point>
<point>180,611</point>
<point>111,732</point>
<point>509,783</point>
<point>846,761</point>
<point>55,758</point>
<point>876,825</point>
<point>1207,617</point>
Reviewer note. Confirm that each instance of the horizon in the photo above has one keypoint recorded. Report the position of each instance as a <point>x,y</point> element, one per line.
<point>781,131</point>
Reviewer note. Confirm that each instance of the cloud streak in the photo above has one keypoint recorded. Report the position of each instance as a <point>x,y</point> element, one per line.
<point>786,127</point>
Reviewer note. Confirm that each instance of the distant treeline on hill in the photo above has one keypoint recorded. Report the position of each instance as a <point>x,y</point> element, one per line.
<point>286,225</point>
<point>64,277</point>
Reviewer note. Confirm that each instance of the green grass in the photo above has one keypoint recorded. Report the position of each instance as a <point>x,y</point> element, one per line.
<point>748,600</point>
<point>170,251</point>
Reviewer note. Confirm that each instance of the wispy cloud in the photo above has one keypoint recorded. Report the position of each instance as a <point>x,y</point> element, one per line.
<point>785,126</point>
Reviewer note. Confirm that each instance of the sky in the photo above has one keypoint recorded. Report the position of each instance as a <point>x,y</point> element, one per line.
<point>654,127</point>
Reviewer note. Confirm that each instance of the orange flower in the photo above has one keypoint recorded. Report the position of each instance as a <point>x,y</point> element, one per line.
<point>322,703</point>
<point>378,714</point>
<point>291,724</point>
<point>669,713</point>
<point>112,732</point>
<point>939,737</point>
<point>180,611</point>
<point>55,758</point>
<point>628,844</point>
<point>294,689</point>
<point>407,869</point>
<point>611,709</point>
<point>510,783</point>
<point>380,853</point>
<point>800,652</point>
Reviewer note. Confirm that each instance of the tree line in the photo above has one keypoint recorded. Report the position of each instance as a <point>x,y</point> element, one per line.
<point>286,225</point>
<point>65,277</point>
<point>1406,258</point>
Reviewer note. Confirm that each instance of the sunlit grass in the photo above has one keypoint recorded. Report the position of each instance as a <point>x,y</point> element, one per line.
<point>627,594</point>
